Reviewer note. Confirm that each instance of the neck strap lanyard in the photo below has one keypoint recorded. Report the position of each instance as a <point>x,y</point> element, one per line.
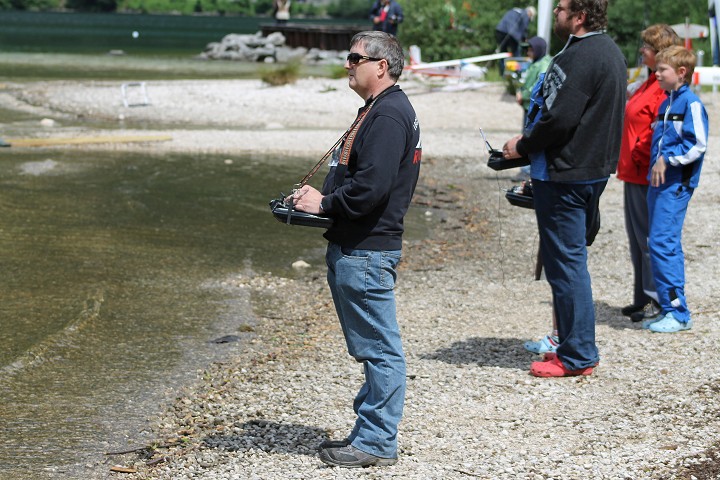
<point>348,137</point>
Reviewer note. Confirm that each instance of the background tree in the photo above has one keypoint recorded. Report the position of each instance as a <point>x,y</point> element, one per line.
<point>425,25</point>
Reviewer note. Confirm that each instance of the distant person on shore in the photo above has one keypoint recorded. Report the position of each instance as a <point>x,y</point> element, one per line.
<point>579,132</point>
<point>386,15</point>
<point>281,11</point>
<point>367,192</point>
<point>641,113</point>
<point>512,30</point>
<point>678,148</point>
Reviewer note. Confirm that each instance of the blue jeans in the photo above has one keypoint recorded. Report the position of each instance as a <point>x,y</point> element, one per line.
<point>667,206</point>
<point>564,214</point>
<point>362,283</point>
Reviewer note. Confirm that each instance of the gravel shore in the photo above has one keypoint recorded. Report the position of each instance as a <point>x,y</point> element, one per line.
<point>466,298</point>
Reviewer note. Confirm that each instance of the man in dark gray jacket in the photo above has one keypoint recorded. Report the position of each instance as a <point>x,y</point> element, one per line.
<point>574,149</point>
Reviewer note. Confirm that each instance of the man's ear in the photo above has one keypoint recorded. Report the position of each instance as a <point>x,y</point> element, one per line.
<point>580,18</point>
<point>382,68</point>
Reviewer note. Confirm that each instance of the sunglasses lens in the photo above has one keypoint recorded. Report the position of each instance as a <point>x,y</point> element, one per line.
<point>354,58</point>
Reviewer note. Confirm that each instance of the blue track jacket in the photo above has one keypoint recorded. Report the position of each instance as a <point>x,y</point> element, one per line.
<point>680,135</point>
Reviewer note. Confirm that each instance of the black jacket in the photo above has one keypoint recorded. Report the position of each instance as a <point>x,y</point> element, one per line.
<point>374,192</point>
<point>584,102</point>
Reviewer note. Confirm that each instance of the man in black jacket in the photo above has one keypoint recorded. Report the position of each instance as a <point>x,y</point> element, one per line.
<point>367,191</point>
<point>574,148</point>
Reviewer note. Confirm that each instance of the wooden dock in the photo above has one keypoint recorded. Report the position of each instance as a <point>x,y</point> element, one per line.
<point>324,37</point>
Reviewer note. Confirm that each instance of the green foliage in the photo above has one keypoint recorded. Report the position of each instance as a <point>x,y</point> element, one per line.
<point>281,75</point>
<point>627,18</point>
<point>264,7</point>
<point>29,4</point>
<point>307,10</point>
<point>359,9</point>
<point>187,7</point>
<point>426,24</point>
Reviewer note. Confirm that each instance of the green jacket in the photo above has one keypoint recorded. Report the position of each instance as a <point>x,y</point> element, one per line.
<point>531,76</point>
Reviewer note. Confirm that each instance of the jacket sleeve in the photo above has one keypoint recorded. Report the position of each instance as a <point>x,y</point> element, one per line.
<point>562,113</point>
<point>398,12</point>
<point>694,137</point>
<point>378,163</point>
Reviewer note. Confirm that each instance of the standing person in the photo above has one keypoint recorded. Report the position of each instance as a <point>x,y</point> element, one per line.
<point>633,166</point>
<point>579,132</point>
<point>367,191</point>
<point>678,149</point>
<point>511,31</point>
<point>537,51</point>
<point>281,11</point>
<point>386,15</point>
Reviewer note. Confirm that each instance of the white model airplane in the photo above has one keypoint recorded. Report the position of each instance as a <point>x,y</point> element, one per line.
<point>458,68</point>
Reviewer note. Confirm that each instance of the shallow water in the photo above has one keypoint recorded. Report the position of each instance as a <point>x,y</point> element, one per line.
<point>112,288</point>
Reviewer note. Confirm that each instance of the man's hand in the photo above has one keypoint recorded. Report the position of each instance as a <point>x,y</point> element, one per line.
<point>306,199</point>
<point>657,174</point>
<point>510,148</point>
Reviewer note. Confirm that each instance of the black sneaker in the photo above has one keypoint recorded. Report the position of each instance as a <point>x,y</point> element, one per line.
<point>334,443</point>
<point>628,310</point>
<point>650,310</point>
<point>351,457</point>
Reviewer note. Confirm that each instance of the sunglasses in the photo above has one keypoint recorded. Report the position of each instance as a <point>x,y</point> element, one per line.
<point>354,58</point>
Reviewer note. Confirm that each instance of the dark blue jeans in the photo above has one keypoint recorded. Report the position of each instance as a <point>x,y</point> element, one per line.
<point>565,213</point>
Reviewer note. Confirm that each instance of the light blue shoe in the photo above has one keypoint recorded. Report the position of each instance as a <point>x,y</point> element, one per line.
<point>668,324</point>
<point>548,344</point>
<point>649,321</point>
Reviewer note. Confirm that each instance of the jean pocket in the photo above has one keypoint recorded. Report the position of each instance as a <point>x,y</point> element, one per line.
<point>388,269</point>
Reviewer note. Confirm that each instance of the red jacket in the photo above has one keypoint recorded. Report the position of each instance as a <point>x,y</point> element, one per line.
<point>640,113</point>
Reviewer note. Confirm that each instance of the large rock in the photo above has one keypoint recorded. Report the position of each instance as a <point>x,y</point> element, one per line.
<point>256,48</point>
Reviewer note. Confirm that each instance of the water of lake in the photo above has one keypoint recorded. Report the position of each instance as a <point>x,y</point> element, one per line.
<point>112,286</point>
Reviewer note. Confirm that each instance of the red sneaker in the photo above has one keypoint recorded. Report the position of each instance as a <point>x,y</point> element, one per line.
<point>554,368</point>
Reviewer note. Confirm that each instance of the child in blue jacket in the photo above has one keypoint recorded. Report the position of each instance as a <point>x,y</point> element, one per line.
<point>678,148</point>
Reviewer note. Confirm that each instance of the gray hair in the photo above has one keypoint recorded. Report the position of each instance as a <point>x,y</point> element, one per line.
<point>382,45</point>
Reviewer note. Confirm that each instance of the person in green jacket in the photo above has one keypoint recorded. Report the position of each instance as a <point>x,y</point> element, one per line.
<point>537,50</point>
